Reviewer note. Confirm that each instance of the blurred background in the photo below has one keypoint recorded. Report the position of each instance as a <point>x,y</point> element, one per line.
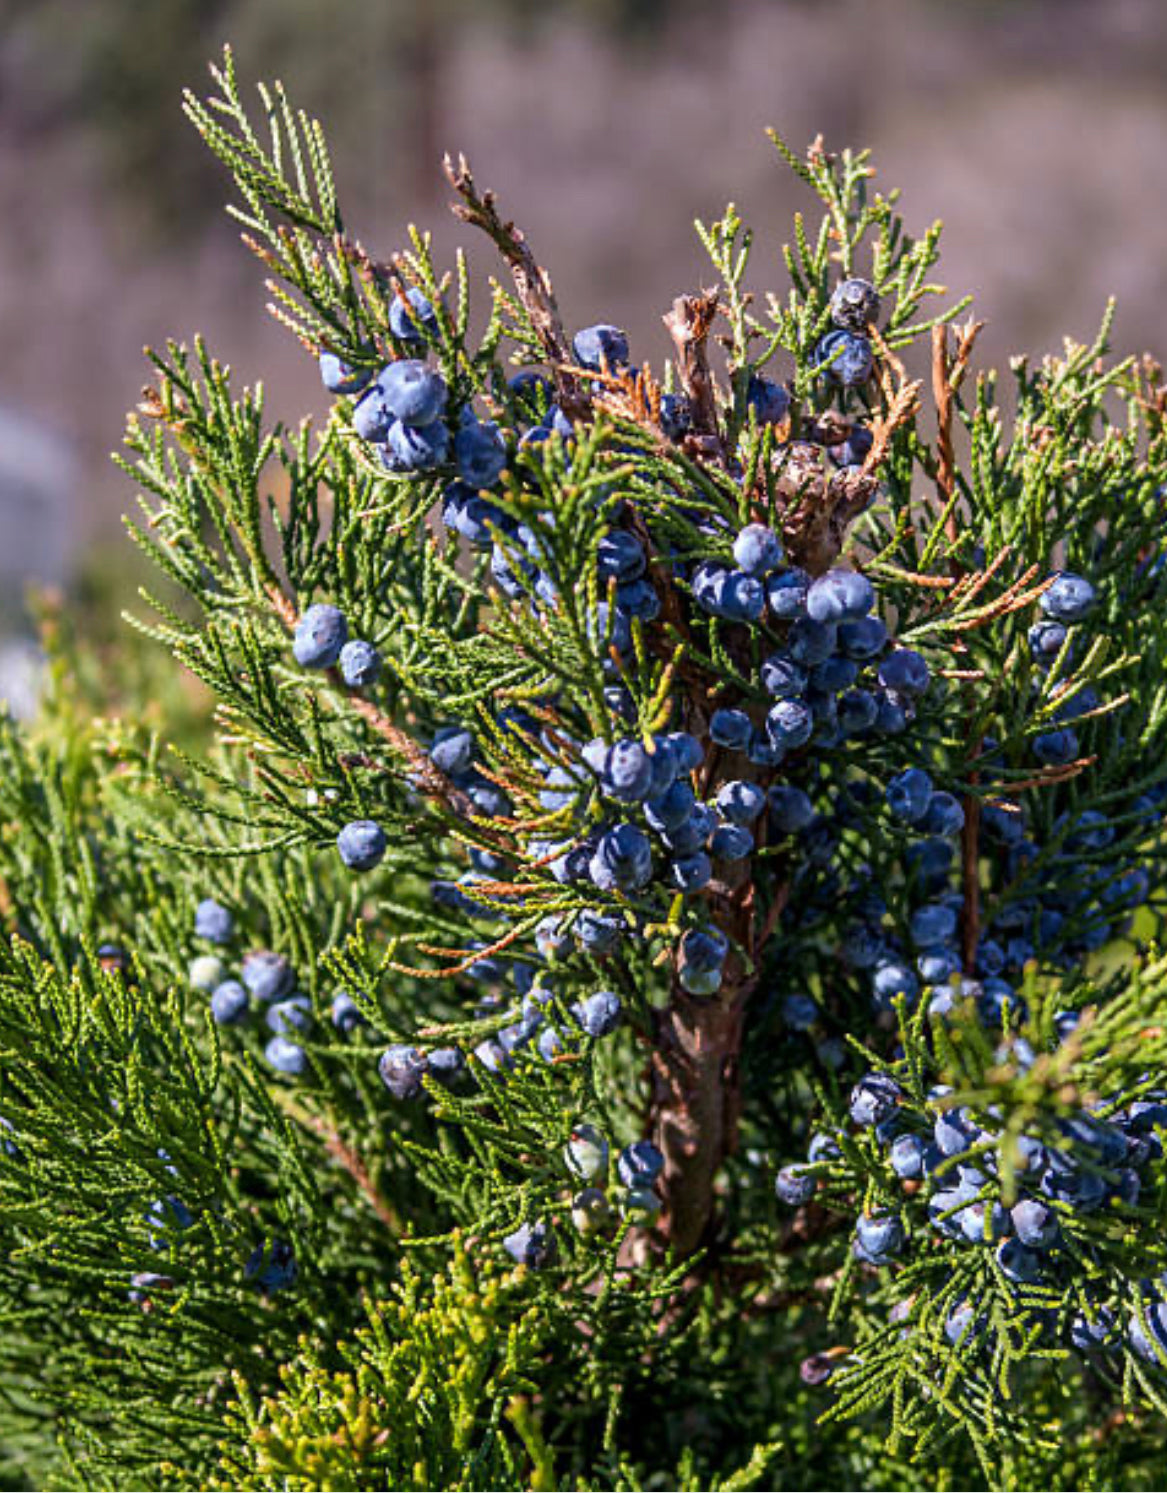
<point>1034,128</point>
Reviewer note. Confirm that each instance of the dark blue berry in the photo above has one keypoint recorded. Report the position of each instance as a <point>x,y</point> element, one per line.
<point>320,635</point>
<point>360,664</point>
<point>362,844</point>
<point>413,394</point>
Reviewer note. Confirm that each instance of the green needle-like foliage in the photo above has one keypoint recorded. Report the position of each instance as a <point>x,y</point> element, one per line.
<point>378,1227</point>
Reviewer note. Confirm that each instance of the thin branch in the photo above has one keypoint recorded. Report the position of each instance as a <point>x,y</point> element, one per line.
<point>532,282</point>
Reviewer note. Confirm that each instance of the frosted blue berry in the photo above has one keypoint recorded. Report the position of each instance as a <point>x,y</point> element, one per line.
<point>532,1244</point>
<point>704,949</point>
<point>1017,1263</point>
<point>320,635</point>
<point>402,1069</point>
<point>795,1186</point>
<point>858,710</point>
<point>833,675</point>
<point>874,1098</point>
<point>286,1056</point>
<point>853,451</point>
<point>892,979</point>
<point>272,1269</point>
<point>1069,598</point>
<point>687,750</point>
<point>413,394</point>
<point>627,772</point>
<point>782,677</point>
<point>495,1058</point>
<point>452,750</point>
<point>740,802</point>
<point>447,1065</point>
<point>360,664</point>
<point>640,1164</point>
<point>981,1223</point>
<point>1055,748</point>
<point>945,816</point>
<point>597,932</point>
<point>675,416</point>
<point>1036,1225</point>
<point>595,346</point>
<point>404,319</point>
<point>229,1003</point>
<point>962,1325</point>
<point>769,401</point>
<point>910,794</point>
<point>620,556</point>
<point>847,358</point>
<point>791,811</point>
<point>954,1133</point>
<point>1046,640</point>
<point>878,1236</point>
<point>590,1211</point>
<point>789,724</point>
<point>863,638</point>
<point>213,921</point>
<point>371,417</point>
<point>786,593</point>
<point>741,598</point>
<point>267,975</point>
<point>291,1015</point>
<point>809,642</point>
<point>699,981</point>
<point>416,448</point>
<point>840,596</point>
<point>623,859</point>
<point>340,377</point>
<point>731,729</point>
<point>905,672</point>
<point>690,873</point>
<point>731,842</point>
<point>480,453</point>
<point>936,966</point>
<point>362,844</point>
<point>932,925</point>
<point>586,1152</point>
<point>854,304</point>
<point>757,550</point>
<point>672,809</point>
<point>600,1013</point>
<point>907,1155</point>
<point>694,832</point>
<point>344,1012</point>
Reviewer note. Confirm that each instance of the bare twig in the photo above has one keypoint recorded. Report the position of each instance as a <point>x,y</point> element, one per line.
<point>688,325</point>
<point>532,282</point>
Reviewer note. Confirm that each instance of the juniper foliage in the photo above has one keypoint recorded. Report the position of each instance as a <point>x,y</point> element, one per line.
<point>851,819</point>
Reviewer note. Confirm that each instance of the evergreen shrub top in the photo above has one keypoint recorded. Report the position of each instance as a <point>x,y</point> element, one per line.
<point>656,953</point>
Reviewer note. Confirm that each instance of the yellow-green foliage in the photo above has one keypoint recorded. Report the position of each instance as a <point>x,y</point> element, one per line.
<point>432,1394</point>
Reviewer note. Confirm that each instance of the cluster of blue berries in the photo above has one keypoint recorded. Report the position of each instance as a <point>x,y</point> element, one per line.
<point>587,1155</point>
<point>403,407</point>
<point>530,1028</point>
<point>322,641</point>
<point>268,979</point>
<point>638,1167</point>
<point>950,1162</point>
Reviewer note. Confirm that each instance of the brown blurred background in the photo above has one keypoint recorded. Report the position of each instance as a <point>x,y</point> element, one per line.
<point>1034,128</point>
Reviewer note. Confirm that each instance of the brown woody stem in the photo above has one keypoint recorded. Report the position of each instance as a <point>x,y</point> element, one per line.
<point>695,1104</point>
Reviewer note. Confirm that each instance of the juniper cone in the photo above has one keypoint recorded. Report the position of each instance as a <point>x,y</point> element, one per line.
<point>646,974</point>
